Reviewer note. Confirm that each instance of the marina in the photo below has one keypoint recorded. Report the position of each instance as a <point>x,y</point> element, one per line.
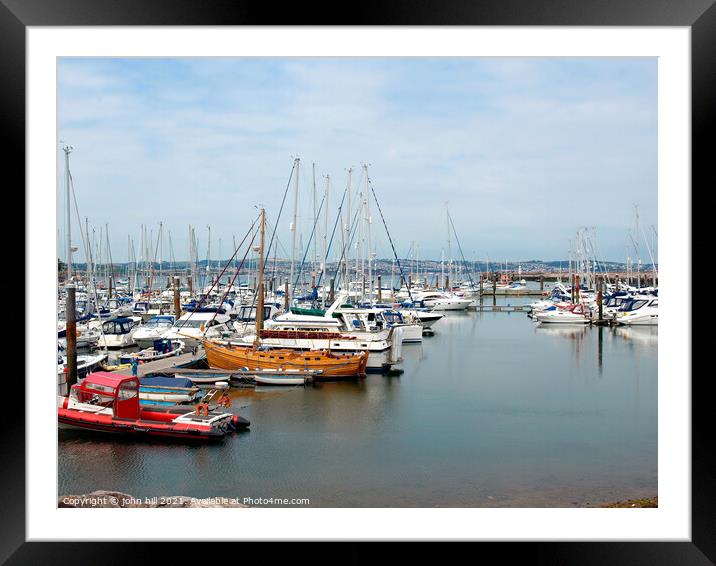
<point>347,340</point>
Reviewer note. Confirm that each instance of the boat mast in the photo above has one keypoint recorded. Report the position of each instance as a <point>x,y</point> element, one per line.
<point>348,232</point>
<point>449,242</point>
<point>297,162</point>
<point>260,302</point>
<point>325,242</point>
<point>315,240</point>
<point>368,221</point>
<point>68,149</point>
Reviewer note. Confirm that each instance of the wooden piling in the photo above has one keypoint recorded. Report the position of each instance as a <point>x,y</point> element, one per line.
<point>177,302</point>
<point>71,318</point>
<point>332,295</point>
<point>380,290</point>
<point>285,295</point>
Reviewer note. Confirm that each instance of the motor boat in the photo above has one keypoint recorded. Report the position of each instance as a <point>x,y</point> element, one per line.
<point>107,402</point>
<point>118,332</point>
<point>152,330</point>
<point>639,311</point>
<point>162,348</point>
<point>194,326</point>
<point>443,301</point>
<point>574,314</point>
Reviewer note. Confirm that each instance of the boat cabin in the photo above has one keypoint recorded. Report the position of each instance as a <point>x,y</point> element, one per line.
<point>104,389</point>
<point>118,326</point>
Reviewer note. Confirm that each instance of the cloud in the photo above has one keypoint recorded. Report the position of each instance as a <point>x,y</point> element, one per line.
<point>525,151</point>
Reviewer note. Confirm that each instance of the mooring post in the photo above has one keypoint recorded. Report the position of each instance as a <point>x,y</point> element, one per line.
<point>572,288</point>
<point>599,296</point>
<point>285,295</point>
<point>332,294</point>
<point>71,318</point>
<point>541,282</point>
<point>380,290</point>
<point>482,282</point>
<point>576,279</point>
<point>177,302</point>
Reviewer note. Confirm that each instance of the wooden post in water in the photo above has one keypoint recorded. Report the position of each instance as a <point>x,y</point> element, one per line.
<point>177,302</point>
<point>71,318</point>
<point>285,295</point>
<point>380,290</point>
<point>332,294</point>
<point>313,281</point>
<point>576,291</point>
<point>572,288</point>
<point>190,280</point>
<point>447,283</point>
<point>482,283</point>
<point>599,297</point>
<point>410,281</point>
<point>541,282</point>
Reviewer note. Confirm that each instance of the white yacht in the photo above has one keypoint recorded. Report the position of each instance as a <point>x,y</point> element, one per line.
<point>118,332</point>
<point>443,301</point>
<point>152,330</point>
<point>201,323</point>
<point>641,311</point>
<point>573,314</point>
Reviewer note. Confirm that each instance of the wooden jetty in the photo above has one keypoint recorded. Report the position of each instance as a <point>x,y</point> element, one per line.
<point>500,308</point>
<point>158,366</point>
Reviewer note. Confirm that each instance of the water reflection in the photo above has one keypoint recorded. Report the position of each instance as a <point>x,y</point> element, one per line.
<point>640,335</point>
<point>491,410</point>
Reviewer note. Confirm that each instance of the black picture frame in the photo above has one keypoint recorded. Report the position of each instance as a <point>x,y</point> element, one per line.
<point>699,15</point>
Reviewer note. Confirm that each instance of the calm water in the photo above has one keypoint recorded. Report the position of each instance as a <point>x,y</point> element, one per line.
<point>491,411</point>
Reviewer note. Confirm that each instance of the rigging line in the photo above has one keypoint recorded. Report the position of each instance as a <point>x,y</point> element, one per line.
<point>313,231</point>
<point>335,225</point>
<point>472,283</point>
<point>230,285</point>
<point>89,258</point>
<point>352,233</point>
<point>201,301</point>
<point>278,218</point>
<point>273,233</point>
<point>385,225</point>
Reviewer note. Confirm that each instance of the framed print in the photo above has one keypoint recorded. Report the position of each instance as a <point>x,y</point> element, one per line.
<point>395,281</point>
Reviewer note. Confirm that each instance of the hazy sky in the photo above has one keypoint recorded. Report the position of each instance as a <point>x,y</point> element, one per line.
<point>524,151</point>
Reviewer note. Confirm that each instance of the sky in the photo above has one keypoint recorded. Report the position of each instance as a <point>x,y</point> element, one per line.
<point>522,151</point>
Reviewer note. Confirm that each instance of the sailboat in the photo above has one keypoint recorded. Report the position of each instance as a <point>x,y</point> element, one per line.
<point>257,357</point>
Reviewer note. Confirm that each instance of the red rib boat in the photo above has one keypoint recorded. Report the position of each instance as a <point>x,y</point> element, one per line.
<point>108,402</point>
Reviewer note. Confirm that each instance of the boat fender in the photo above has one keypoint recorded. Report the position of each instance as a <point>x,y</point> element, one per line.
<point>225,401</point>
<point>202,407</point>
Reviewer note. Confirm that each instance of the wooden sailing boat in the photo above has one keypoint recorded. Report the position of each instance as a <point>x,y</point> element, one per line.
<point>235,357</point>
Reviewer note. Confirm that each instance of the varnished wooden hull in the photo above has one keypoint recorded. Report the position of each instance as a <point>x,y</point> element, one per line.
<point>330,364</point>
